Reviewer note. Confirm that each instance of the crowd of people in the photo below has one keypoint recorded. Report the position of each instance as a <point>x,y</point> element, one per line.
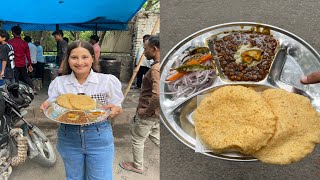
<point>21,60</point>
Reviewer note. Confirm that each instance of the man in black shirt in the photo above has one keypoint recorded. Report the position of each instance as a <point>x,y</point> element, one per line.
<point>63,45</point>
<point>7,58</point>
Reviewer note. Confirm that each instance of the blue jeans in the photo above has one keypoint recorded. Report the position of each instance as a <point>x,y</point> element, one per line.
<point>87,151</point>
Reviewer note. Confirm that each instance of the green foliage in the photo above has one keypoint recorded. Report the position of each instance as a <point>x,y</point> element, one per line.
<point>49,44</point>
<point>50,53</point>
<point>78,35</point>
<point>85,35</point>
<point>152,5</point>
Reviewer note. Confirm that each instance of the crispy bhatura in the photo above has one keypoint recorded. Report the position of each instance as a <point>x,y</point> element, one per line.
<point>234,118</point>
<point>298,128</point>
<point>83,102</point>
<point>277,127</point>
<point>63,100</point>
<point>78,102</point>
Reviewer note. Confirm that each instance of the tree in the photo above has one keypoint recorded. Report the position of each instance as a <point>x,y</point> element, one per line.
<point>74,35</point>
<point>149,5</point>
<point>152,5</point>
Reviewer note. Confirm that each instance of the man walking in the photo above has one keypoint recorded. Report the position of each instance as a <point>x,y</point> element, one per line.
<point>21,52</point>
<point>146,121</point>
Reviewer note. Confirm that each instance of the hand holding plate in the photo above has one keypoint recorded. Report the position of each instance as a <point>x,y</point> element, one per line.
<point>115,110</point>
<point>44,106</point>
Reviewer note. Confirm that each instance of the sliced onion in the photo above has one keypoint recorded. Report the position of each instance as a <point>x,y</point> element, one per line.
<point>191,82</point>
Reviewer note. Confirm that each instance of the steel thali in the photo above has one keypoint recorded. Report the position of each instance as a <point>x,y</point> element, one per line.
<point>294,58</point>
<point>59,114</point>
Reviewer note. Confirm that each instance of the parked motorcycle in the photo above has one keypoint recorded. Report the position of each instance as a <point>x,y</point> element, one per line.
<point>16,143</point>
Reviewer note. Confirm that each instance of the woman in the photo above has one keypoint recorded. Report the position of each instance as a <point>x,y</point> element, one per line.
<point>87,151</point>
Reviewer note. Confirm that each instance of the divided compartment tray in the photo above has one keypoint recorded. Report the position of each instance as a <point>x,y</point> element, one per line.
<point>54,111</point>
<point>295,58</point>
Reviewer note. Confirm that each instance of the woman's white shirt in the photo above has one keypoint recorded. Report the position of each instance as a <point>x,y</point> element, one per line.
<point>103,87</point>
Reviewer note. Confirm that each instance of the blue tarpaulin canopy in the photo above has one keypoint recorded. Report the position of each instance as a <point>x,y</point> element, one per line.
<point>75,15</point>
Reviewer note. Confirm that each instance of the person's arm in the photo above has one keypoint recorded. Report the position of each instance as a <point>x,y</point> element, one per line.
<point>52,93</point>
<point>115,91</point>
<point>116,97</point>
<point>96,54</point>
<point>4,57</point>
<point>64,47</point>
<point>44,105</point>
<point>115,110</point>
<point>61,67</point>
<point>311,78</point>
<point>27,52</point>
<point>154,101</point>
<point>41,49</point>
<point>4,63</point>
<point>41,54</point>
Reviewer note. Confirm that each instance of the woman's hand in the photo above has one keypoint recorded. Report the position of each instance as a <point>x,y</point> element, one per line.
<point>44,105</point>
<point>311,78</point>
<point>115,110</point>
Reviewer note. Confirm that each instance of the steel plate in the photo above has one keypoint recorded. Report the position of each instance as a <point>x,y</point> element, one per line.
<point>296,56</point>
<point>54,111</point>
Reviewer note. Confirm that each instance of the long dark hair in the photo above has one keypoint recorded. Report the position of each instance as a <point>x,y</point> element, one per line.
<point>66,67</point>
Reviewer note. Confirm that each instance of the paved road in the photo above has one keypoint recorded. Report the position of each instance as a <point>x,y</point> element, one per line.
<point>32,171</point>
<point>179,19</point>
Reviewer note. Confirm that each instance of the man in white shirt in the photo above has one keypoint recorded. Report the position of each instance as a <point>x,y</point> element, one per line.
<point>145,65</point>
<point>33,55</point>
<point>40,60</point>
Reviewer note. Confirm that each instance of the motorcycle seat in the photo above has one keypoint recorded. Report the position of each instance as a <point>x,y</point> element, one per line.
<point>13,92</point>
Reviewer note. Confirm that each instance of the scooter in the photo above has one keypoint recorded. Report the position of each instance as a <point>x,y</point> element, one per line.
<point>18,138</point>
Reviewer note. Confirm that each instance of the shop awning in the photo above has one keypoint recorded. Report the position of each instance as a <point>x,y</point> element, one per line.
<point>75,15</point>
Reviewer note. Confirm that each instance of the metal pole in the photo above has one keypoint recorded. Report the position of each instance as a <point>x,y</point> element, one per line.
<point>140,61</point>
<point>96,29</point>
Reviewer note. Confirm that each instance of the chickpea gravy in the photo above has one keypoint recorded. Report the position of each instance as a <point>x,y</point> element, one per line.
<point>246,55</point>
